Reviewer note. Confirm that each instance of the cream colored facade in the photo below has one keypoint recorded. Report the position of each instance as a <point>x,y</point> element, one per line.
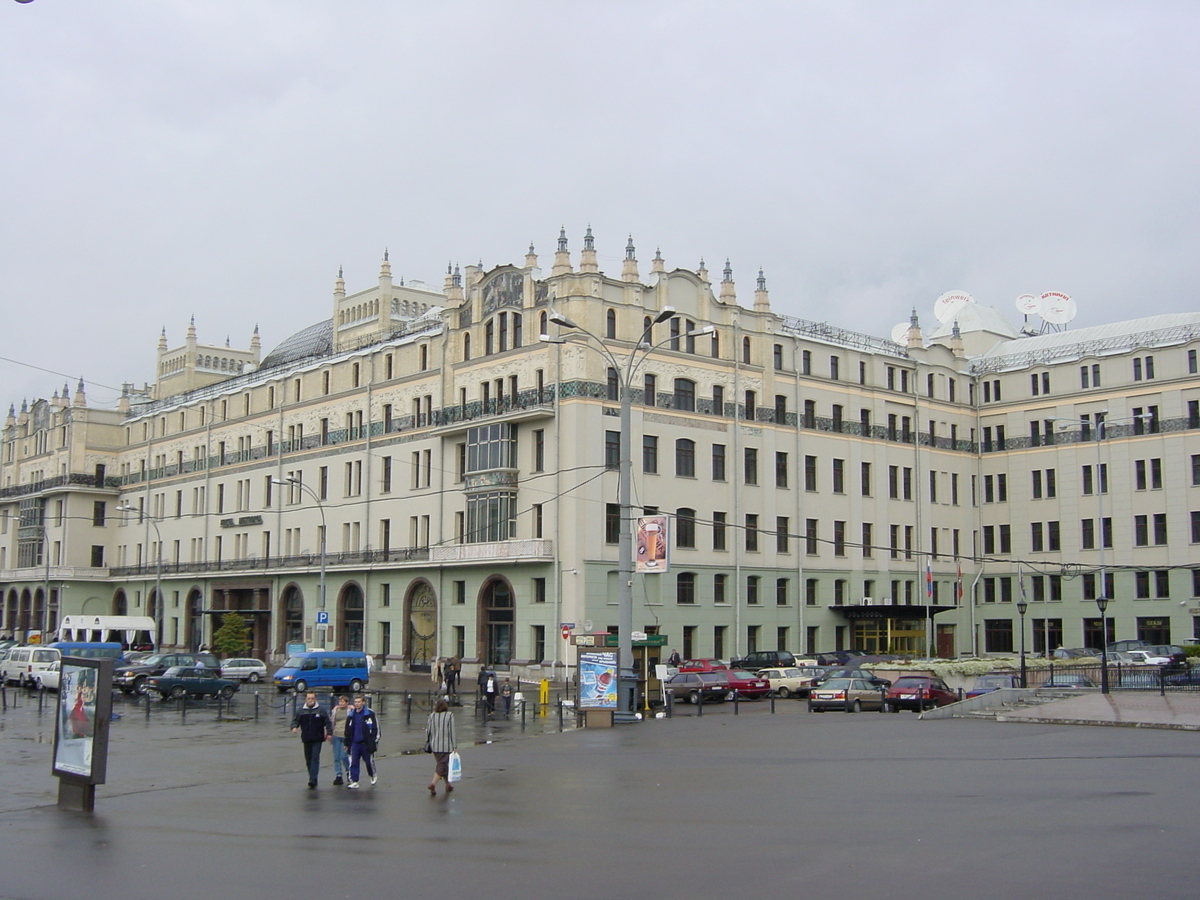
<point>462,473</point>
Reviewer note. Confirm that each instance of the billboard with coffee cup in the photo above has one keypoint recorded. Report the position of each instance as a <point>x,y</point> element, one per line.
<point>650,544</point>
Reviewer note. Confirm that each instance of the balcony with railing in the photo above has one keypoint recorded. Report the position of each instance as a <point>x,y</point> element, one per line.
<point>494,551</point>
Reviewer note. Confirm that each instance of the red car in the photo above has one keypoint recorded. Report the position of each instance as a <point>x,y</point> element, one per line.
<point>703,665</point>
<point>748,685</point>
<point>918,692</point>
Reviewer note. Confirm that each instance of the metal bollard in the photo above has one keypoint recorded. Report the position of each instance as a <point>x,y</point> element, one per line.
<point>147,699</point>
<point>256,706</point>
<point>736,695</point>
<point>700,703</point>
<point>560,713</point>
<point>182,707</point>
<point>408,709</point>
<point>669,703</point>
<point>772,703</point>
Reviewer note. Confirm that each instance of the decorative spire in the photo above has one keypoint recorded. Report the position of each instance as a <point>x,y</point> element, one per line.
<point>191,332</point>
<point>762,301</point>
<point>587,259</point>
<point>256,343</point>
<point>702,272</point>
<point>727,272</point>
<point>385,268</point>
<point>562,256</point>
<point>457,276</point>
<point>80,396</point>
<point>657,266</point>
<point>629,271</point>
<point>915,341</point>
<point>531,259</point>
<point>728,294</point>
<point>956,341</point>
<point>162,340</point>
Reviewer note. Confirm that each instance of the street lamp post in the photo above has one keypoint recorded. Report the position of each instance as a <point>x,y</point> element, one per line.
<point>158,597</point>
<point>296,482</point>
<point>1022,606</point>
<point>1102,605</point>
<point>625,374</point>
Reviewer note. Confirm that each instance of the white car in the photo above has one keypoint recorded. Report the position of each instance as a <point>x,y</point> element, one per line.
<point>1145,658</point>
<point>251,670</point>
<point>47,679</point>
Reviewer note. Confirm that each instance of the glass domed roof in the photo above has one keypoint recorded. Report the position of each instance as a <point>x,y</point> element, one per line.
<point>313,341</point>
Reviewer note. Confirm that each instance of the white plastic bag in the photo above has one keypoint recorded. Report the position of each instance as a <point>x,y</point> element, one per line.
<point>455,766</point>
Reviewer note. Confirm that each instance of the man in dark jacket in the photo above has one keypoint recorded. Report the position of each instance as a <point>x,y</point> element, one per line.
<point>362,739</point>
<point>312,721</point>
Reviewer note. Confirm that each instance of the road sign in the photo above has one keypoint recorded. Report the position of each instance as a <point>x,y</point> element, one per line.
<point>566,631</point>
<point>323,617</point>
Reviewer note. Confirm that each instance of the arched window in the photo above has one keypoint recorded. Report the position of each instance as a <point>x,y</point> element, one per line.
<point>685,394</point>
<point>542,321</point>
<point>746,350</point>
<point>499,620</point>
<point>610,323</point>
<point>293,616</point>
<point>685,458</point>
<point>685,527</point>
<point>685,587</point>
<point>648,330</point>
<point>350,607</point>
<point>489,338</point>
<point>466,347</point>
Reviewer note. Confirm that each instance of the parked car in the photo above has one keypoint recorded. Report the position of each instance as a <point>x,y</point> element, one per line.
<point>994,681</point>
<point>918,692</point>
<point>1187,678</point>
<point>1126,645</point>
<point>132,678</point>
<point>703,665</point>
<point>48,678</point>
<point>251,670</point>
<point>761,659</point>
<point>1173,652</point>
<point>793,682</point>
<point>855,672</point>
<point>344,669</point>
<point>711,687</point>
<point>1075,653</point>
<point>22,665</point>
<point>1071,680</point>
<point>179,681</point>
<point>7,643</point>
<point>747,685</point>
<point>1147,658</point>
<point>849,694</point>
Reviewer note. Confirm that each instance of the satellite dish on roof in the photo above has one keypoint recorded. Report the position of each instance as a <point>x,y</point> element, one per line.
<point>900,333</point>
<point>1056,307</point>
<point>946,306</point>
<point>1028,305</point>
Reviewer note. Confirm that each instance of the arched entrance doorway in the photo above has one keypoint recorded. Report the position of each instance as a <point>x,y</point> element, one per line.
<point>291,617</point>
<point>350,617</point>
<point>25,619</point>
<point>39,611</point>
<point>498,618</point>
<point>195,619</point>
<point>120,606</point>
<point>420,617</point>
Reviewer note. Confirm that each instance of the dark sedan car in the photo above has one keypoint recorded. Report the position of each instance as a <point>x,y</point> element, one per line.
<point>1189,678</point>
<point>181,681</point>
<point>711,687</point>
<point>919,692</point>
<point>994,681</point>
<point>1071,680</point>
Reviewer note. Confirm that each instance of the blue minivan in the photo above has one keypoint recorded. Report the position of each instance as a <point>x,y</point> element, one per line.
<point>345,669</point>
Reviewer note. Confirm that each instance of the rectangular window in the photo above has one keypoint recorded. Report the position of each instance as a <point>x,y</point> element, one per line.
<point>810,537</point>
<point>781,469</point>
<point>868,540</point>
<point>810,592</point>
<point>718,462</point>
<point>781,534</point>
<point>650,454</point>
<point>612,449</point>
<point>751,465</point>
<point>718,533</point>
<point>719,582</point>
<point>1141,531</point>
<point>839,538</point>
<point>810,473</point>
<point>751,533</point>
<point>1160,529</point>
<point>839,476</point>
<point>752,582</point>
<point>612,523</point>
<point>865,472</point>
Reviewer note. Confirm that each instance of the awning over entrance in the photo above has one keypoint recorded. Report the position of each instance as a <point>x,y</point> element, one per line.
<point>890,611</point>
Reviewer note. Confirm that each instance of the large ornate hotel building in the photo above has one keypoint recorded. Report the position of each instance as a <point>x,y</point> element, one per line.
<point>457,475</point>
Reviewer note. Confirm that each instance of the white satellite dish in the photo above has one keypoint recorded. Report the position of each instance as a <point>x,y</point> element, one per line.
<point>1028,305</point>
<point>1056,307</point>
<point>900,333</point>
<point>946,306</point>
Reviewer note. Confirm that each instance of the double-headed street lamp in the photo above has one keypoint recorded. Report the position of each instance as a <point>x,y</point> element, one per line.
<point>625,374</point>
<point>158,596</point>
<point>1022,606</point>
<point>296,482</point>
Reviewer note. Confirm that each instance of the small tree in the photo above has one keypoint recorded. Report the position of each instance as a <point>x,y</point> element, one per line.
<point>233,637</point>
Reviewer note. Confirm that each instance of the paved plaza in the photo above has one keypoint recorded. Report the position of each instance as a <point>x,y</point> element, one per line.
<point>749,805</point>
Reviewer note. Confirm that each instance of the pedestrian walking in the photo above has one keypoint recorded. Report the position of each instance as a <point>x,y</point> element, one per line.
<point>441,740</point>
<point>362,739</point>
<point>438,674</point>
<point>674,659</point>
<point>487,684</point>
<point>338,716</point>
<point>452,669</point>
<point>312,722</point>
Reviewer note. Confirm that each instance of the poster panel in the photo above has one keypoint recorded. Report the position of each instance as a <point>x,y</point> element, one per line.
<point>598,679</point>
<point>81,726</point>
<point>650,544</point>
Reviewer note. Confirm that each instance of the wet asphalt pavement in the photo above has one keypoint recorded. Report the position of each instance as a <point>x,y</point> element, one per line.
<point>756,805</point>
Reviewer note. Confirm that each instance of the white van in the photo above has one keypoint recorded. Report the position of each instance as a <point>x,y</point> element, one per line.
<point>25,664</point>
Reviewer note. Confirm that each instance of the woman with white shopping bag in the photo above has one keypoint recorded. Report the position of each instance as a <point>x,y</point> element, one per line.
<point>441,742</point>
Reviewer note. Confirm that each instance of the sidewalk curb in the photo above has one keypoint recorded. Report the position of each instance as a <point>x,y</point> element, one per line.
<point>1042,720</point>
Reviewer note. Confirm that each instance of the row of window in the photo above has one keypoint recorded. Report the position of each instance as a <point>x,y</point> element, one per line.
<point>1148,531</point>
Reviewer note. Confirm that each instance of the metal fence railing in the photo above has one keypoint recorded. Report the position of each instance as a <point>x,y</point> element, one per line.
<point>1178,677</point>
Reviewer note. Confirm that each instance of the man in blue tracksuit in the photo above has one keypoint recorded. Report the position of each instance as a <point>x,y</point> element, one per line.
<point>362,739</point>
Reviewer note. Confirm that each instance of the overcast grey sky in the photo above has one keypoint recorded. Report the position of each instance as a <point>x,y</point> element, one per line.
<point>222,158</point>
